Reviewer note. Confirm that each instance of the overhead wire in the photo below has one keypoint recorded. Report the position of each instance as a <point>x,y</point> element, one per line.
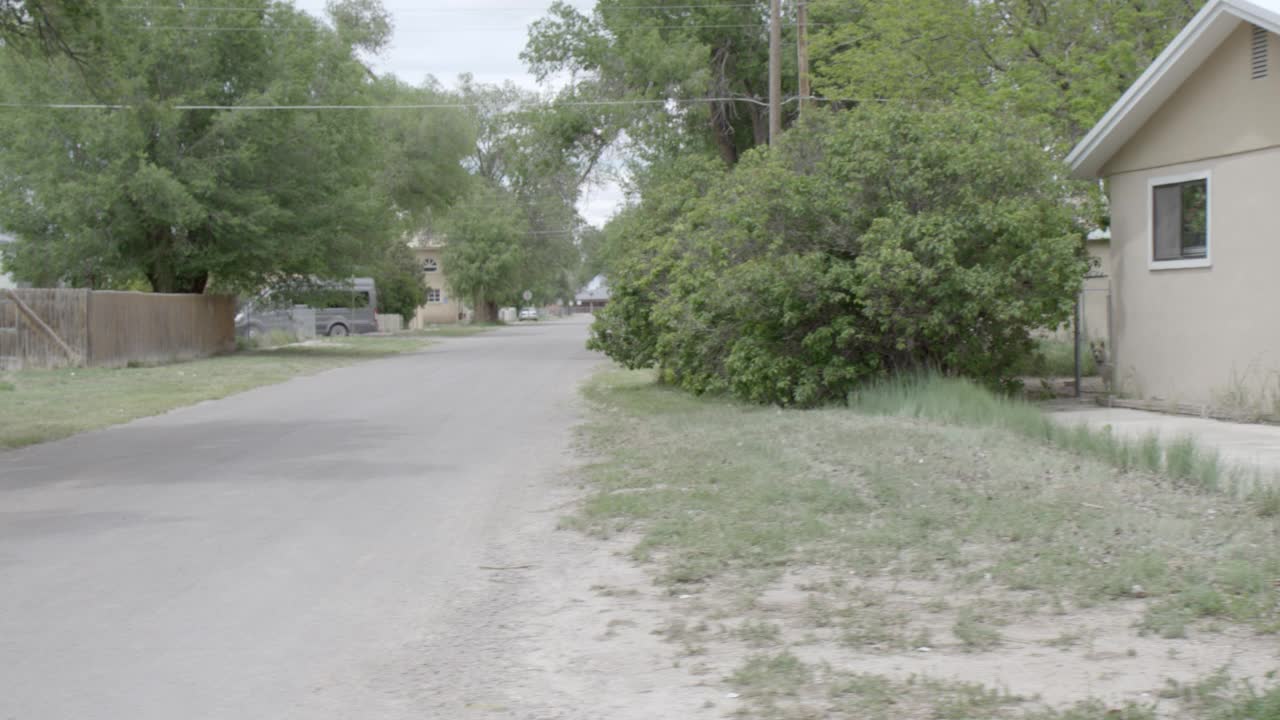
<point>422,106</point>
<point>426,10</point>
<point>477,28</point>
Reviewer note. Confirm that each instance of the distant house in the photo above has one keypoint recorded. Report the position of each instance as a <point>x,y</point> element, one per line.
<point>439,308</point>
<point>6,280</point>
<point>1191,155</point>
<point>592,297</point>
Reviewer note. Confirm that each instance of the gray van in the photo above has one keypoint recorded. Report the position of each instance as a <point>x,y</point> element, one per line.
<point>260,316</point>
<point>341,308</point>
<point>357,315</point>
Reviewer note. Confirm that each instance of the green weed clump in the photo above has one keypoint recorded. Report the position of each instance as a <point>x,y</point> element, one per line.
<point>957,401</point>
<point>1266,500</point>
<point>771,675</point>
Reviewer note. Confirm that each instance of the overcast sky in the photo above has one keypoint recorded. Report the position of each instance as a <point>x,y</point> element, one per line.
<point>445,38</point>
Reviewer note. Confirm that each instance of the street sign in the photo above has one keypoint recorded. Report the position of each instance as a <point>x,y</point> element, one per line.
<point>528,295</point>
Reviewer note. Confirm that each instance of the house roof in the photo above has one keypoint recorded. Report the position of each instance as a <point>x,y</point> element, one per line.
<point>597,289</point>
<point>1206,31</point>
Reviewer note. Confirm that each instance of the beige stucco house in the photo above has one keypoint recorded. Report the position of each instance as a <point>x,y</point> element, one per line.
<point>440,308</point>
<point>1191,157</point>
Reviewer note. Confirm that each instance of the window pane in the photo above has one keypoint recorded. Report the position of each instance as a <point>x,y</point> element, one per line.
<point>1167,222</point>
<point>1195,218</point>
<point>1180,226</point>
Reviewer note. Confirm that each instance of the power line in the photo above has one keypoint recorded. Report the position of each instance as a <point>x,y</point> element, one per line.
<point>421,106</point>
<point>420,10</point>
<point>477,28</point>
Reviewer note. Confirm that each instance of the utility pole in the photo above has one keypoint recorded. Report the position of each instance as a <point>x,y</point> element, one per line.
<point>775,70</point>
<point>802,51</point>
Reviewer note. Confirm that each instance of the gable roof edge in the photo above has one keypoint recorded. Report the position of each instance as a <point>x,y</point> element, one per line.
<point>1088,157</point>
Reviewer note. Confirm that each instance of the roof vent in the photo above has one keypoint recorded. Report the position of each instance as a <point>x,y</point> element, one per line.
<point>1258,56</point>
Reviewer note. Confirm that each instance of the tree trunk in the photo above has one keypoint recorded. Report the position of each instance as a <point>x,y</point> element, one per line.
<point>486,310</point>
<point>165,277</point>
<point>722,126</point>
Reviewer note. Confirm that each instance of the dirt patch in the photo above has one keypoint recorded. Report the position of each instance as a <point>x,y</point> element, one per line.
<point>566,628</point>
<point>692,644</point>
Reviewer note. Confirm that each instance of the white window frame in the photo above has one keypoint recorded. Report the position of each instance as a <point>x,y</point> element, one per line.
<point>1152,184</point>
<point>439,296</point>
<point>430,265</point>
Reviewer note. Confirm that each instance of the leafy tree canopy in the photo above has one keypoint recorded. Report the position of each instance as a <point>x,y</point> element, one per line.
<point>691,50</point>
<point>186,197</point>
<point>1057,63</point>
<point>485,252</point>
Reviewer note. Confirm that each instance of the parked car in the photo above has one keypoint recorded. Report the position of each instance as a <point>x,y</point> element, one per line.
<point>529,314</point>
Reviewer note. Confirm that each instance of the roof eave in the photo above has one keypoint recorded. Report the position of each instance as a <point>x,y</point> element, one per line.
<point>1201,36</point>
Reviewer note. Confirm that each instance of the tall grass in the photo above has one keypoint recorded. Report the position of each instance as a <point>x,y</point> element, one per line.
<point>957,401</point>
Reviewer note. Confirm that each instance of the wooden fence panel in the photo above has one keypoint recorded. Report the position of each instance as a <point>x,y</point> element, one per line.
<point>23,345</point>
<point>112,329</point>
<point>127,327</point>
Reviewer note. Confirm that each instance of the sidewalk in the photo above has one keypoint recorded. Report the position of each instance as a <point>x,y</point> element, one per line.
<point>1241,444</point>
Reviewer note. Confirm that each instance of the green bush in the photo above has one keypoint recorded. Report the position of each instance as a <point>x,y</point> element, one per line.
<point>866,242</point>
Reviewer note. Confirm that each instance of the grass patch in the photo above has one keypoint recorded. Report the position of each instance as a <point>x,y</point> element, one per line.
<point>759,633</point>
<point>960,402</point>
<point>452,331</point>
<point>275,338</point>
<point>772,685</point>
<point>771,675</point>
<point>1266,501</point>
<point>1093,710</point>
<point>1217,697</point>
<point>958,485</point>
<point>974,631</point>
<point>51,404</point>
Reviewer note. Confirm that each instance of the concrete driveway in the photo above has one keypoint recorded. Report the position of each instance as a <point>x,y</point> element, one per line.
<point>1240,444</point>
<point>304,550</point>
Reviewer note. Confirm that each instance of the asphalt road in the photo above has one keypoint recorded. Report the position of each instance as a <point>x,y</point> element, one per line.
<point>306,550</point>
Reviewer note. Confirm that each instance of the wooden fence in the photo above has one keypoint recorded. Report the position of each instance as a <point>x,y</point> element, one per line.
<point>111,329</point>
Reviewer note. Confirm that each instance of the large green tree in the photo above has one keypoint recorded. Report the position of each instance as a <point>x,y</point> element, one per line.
<point>69,28</point>
<point>485,251</point>
<point>182,197</point>
<point>667,57</point>
<point>536,155</point>
<point>1058,63</point>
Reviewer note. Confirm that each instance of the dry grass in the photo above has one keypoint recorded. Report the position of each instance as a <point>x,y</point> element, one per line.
<point>935,484</point>
<point>44,405</point>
